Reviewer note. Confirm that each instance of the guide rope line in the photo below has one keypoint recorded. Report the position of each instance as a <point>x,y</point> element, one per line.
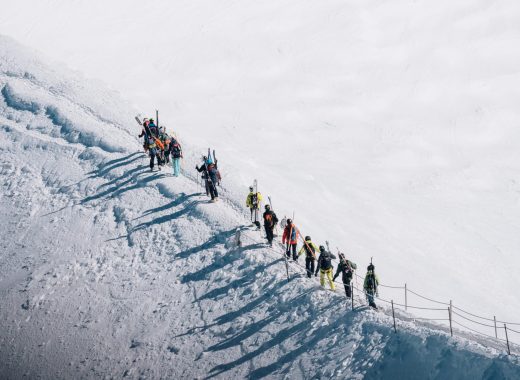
<point>471,320</point>
<point>411,319</point>
<point>426,298</point>
<point>477,332</point>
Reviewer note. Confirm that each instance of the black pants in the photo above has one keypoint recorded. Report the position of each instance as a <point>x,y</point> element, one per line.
<point>309,265</point>
<point>288,252</point>
<point>348,289</point>
<point>269,234</point>
<point>152,160</point>
<point>210,185</point>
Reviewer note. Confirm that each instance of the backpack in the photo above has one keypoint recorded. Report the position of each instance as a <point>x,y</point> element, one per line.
<point>371,281</point>
<point>309,249</point>
<point>176,150</point>
<point>326,261</point>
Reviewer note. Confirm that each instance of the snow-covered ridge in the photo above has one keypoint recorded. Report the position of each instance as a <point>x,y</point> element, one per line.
<point>108,270</point>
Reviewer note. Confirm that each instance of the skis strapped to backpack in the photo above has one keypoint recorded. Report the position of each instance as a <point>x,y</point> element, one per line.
<point>149,133</point>
<point>254,201</point>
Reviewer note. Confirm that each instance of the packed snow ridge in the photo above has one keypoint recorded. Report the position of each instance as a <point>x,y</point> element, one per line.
<point>108,270</point>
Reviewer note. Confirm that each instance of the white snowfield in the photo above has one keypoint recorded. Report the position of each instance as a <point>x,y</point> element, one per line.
<point>390,128</point>
<point>110,271</point>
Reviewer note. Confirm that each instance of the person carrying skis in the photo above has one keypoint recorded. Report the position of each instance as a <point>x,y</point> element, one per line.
<point>270,221</point>
<point>290,236</point>
<point>153,128</point>
<point>165,140</point>
<point>210,174</point>
<point>145,134</point>
<point>253,202</point>
<point>176,153</point>
<point>346,268</point>
<point>153,151</point>
<point>370,285</point>
<point>310,250</point>
<point>325,267</point>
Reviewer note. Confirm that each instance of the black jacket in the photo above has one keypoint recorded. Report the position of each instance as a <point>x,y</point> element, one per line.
<point>325,261</point>
<point>210,170</point>
<point>346,268</point>
<point>270,219</point>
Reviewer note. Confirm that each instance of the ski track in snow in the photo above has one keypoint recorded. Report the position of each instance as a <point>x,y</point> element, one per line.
<point>109,270</point>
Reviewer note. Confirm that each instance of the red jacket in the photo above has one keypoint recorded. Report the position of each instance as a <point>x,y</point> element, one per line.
<point>290,234</point>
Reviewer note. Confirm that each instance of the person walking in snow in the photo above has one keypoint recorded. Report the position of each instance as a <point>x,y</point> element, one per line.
<point>210,175</point>
<point>176,154</point>
<point>165,140</point>
<point>153,152</point>
<point>153,128</point>
<point>253,200</point>
<point>290,238</point>
<point>346,268</point>
<point>270,221</point>
<point>370,285</point>
<point>145,134</point>
<point>310,250</point>
<point>325,267</point>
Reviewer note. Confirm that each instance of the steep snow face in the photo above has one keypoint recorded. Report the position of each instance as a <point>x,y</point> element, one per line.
<point>108,270</point>
<point>390,128</point>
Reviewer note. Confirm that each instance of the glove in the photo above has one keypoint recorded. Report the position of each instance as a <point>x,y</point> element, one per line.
<point>196,167</point>
<point>316,274</point>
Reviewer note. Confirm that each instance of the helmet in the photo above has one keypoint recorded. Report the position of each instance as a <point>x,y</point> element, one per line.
<point>251,188</point>
<point>204,158</point>
<point>289,221</point>
<point>322,248</point>
<point>371,267</point>
<point>151,120</point>
<point>267,207</point>
<point>307,238</point>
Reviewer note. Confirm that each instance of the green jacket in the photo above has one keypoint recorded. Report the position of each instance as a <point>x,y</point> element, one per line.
<point>312,246</point>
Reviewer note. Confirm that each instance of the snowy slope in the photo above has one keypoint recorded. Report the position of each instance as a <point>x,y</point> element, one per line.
<point>108,270</point>
<point>390,128</point>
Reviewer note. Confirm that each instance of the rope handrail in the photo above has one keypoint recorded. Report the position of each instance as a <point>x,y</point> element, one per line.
<point>413,318</point>
<point>509,323</point>
<point>427,308</point>
<point>471,320</point>
<point>426,298</point>
<point>473,315</point>
<point>477,332</point>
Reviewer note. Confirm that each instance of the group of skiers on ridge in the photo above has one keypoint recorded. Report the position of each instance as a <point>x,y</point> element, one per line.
<point>313,264</point>
<point>161,146</point>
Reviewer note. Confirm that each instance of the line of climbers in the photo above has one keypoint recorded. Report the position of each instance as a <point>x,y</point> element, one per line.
<point>161,146</point>
<point>313,264</point>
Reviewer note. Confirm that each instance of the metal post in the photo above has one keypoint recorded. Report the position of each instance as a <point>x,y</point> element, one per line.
<point>507,340</point>
<point>449,313</point>
<point>352,295</point>
<point>157,118</point>
<point>286,266</point>
<point>393,316</point>
<point>495,319</point>
<point>405,297</point>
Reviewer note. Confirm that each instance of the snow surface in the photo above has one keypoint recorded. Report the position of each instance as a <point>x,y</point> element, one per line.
<point>110,271</point>
<point>390,128</point>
